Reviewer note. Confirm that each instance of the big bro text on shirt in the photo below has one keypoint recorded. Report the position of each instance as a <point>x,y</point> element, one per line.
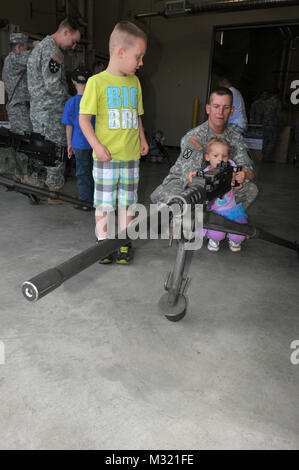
<point>121,98</point>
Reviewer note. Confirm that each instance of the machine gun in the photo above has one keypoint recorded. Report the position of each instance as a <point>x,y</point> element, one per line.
<point>34,145</point>
<point>218,181</point>
<point>173,303</point>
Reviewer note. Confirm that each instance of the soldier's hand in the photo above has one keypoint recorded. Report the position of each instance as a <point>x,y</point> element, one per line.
<point>102,153</point>
<point>234,179</point>
<point>240,176</point>
<point>190,176</point>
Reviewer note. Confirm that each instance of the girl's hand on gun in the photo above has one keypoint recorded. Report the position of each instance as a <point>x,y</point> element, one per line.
<point>102,153</point>
<point>70,151</point>
<point>190,176</point>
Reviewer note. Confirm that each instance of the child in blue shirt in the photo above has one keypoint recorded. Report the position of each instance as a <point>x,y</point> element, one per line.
<point>76,142</point>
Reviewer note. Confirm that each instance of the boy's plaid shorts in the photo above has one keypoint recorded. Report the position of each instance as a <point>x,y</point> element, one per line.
<point>115,180</point>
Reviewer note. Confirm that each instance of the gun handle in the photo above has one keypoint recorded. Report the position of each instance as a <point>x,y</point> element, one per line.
<point>239,168</point>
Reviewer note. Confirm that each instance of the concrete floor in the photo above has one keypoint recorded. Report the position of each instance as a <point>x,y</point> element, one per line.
<point>94,365</point>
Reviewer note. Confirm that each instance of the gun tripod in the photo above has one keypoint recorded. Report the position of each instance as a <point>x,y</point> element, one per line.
<point>173,304</point>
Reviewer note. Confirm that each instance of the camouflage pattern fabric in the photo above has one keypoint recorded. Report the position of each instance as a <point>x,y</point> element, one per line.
<point>48,93</point>
<point>19,118</point>
<point>13,163</point>
<point>192,158</point>
<point>14,76</point>
<point>272,122</point>
<point>48,90</point>
<point>257,111</point>
<point>55,176</point>
<point>272,112</point>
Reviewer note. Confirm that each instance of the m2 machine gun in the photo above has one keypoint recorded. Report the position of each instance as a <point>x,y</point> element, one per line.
<point>173,303</point>
<point>32,144</point>
<point>24,151</point>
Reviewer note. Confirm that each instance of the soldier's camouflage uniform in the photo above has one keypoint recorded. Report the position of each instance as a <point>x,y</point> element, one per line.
<point>48,94</point>
<point>257,111</point>
<point>192,158</point>
<point>14,76</point>
<point>271,123</point>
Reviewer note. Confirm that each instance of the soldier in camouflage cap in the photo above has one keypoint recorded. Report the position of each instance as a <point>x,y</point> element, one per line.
<point>18,38</point>
<point>193,148</point>
<point>48,88</point>
<point>47,82</point>
<point>14,76</point>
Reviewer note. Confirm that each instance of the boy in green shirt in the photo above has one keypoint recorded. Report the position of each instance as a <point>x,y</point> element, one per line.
<point>115,97</point>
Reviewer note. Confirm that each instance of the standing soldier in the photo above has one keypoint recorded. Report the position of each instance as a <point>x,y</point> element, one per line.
<point>48,89</point>
<point>272,122</point>
<point>14,76</point>
<point>257,109</point>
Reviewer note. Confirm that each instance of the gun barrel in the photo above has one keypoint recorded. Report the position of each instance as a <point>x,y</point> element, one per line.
<point>47,281</point>
<point>28,189</point>
<point>218,222</point>
<point>269,237</point>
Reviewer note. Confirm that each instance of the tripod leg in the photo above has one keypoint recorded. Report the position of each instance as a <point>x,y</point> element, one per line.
<point>173,304</point>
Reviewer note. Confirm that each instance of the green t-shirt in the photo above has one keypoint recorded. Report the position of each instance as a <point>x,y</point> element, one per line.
<point>117,103</point>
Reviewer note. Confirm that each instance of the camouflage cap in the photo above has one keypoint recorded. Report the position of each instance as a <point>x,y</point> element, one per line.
<point>18,38</point>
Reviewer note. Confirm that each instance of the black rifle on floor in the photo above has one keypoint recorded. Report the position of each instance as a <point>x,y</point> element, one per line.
<point>173,303</point>
<point>34,145</point>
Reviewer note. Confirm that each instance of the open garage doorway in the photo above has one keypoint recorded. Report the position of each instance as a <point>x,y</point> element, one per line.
<point>256,58</point>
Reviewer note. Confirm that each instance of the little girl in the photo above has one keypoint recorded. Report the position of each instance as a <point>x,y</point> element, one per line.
<point>217,151</point>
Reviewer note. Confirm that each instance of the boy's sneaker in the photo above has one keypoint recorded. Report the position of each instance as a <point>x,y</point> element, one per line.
<point>125,254</point>
<point>234,246</point>
<point>212,245</point>
<point>107,259</point>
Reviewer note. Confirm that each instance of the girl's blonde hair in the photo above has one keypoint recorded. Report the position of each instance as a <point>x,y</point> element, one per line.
<point>217,140</point>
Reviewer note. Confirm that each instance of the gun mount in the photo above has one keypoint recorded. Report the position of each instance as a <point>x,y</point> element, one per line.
<point>173,303</point>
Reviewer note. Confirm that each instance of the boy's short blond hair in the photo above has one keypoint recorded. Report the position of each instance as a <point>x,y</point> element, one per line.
<point>217,140</point>
<point>125,34</point>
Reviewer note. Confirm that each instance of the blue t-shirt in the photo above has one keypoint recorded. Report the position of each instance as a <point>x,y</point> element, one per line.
<point>71,118</point>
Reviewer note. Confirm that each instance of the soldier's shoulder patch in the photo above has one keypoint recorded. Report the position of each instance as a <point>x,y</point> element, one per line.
<point>54,66</point>
<point>187,153</point>
<point>196,141</point>
<point>57,58</point>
